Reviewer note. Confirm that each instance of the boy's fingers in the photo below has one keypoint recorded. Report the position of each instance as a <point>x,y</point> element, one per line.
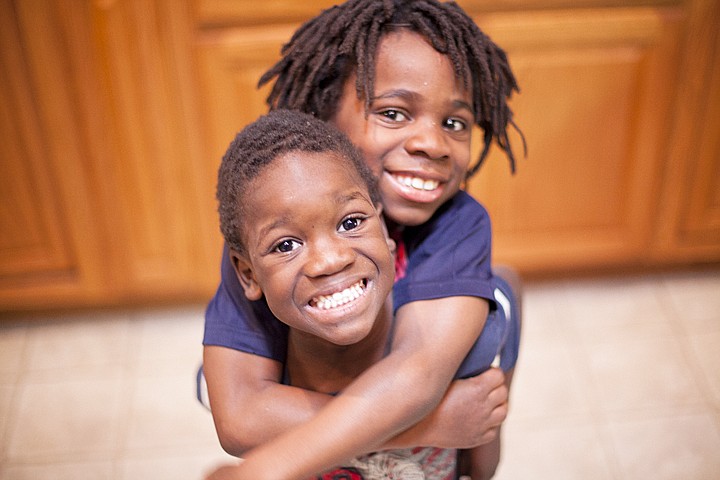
<point>489,379</point>
<point>495,376</point>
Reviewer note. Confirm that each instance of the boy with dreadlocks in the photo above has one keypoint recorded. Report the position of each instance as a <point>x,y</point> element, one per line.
<point>406,81</point>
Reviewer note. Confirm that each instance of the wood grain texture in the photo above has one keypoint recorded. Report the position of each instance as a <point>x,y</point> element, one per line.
<point>116,114</point>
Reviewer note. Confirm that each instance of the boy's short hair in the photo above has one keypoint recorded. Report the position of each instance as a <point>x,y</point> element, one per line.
<point>260,143</point>
<point>328,48</point>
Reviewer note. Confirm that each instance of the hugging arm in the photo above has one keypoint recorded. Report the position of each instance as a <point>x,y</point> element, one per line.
<point>250,407</point>
<point>249,404</point>
<point>387,399</point>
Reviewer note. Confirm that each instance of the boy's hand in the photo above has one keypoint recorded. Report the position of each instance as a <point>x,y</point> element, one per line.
<point>469,415</point>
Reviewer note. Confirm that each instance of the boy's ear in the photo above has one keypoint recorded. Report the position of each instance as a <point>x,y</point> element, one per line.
<point>244,272</point>
<point>390,242</point>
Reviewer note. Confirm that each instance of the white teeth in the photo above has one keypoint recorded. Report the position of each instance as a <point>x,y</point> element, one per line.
<point>417,182</point>
<point>326,302</point>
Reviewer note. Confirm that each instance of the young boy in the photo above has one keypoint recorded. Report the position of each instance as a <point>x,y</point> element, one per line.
<point>297,247</point>
<point>406,81</point>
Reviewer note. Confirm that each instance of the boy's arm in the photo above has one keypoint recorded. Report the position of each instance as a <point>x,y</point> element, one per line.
<point>250,408</point>
<point>249,404</point>
<point>431,339</point>
<point>469,415</point>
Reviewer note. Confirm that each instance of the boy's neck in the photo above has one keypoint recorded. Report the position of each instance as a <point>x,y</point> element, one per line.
<point>321,366</point>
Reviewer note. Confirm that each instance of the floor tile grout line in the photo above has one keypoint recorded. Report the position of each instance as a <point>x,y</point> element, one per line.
<point>687,351</point>
<point>14,404</point>
<point>600,424</point>
<point>130,372</point>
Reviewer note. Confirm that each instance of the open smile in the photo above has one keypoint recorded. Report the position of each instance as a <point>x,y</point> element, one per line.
<point>342,297</point>
<point>416,189</point>
<point>416,182</point>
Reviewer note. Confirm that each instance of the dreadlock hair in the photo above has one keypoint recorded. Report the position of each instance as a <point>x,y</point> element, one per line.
<point>260,144</point>
<point>325,51</point>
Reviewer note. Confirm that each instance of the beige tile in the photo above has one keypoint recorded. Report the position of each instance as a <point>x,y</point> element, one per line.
<point>553,452</point>
<point>616,309</point>
<point>61,471</point>
<point>540,307</point>
<point>7,393</point>
<point>13,339</point>
<point>695,299</point>
<point>73,347</point>
<point>706,351</point>
<point>640,375</point>
<point>165,413</point>
<point>547,382</point>
<point>68,420</point>
<point>683,446</point>
<point>618,378</point>
<point>168,341</point>
<point>192,465</point>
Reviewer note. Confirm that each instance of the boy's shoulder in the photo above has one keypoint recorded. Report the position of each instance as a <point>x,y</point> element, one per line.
<point>462,211</point>
<point>458,218</point>
<point>467,203</point>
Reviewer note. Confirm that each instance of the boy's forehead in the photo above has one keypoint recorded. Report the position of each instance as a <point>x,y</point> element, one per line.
<point>408,57</point>
<point>298,184</point>
<point>299,169</point>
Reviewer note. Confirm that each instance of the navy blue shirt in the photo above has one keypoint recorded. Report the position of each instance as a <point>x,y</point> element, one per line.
<point>447,256</point>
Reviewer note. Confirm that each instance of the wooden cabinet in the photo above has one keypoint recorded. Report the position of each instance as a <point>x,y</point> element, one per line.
<point>51,248</point>
<point>116,113</point>
<point>107,193</point>
<point>622,129</point>
<point>597,93</point>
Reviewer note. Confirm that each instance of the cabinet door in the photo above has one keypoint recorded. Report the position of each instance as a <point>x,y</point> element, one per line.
<point>597,87</point>
<point>690,208</point>
<point>50,246</point>
<point>231,62</point>
<point>159,180</point>
<point>107,194</point>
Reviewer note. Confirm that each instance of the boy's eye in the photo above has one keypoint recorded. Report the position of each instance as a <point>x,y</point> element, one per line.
<point>394,115</point>
<point>350,224</point>
<point>455,125</point>
<point>286,246</point>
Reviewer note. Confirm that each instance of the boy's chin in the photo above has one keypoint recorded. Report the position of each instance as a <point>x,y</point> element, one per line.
<point>409,216</point>
<point>351,336</point>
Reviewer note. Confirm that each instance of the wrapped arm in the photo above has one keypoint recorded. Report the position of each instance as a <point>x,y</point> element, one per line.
<point>395,393</point>
<point>250,407</point>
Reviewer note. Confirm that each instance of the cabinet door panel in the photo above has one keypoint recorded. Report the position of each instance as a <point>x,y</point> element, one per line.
<point>230,65</point>
<point>690,197</point>
<point>158,201</point>
<point>50,249</point>
<point>32,239</point>
<point>596,90</point>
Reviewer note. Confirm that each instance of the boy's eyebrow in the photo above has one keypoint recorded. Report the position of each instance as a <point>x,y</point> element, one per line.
<point>410,95</point>
<point>463,104</point>
<point>396,93</point>
<point>266,229</point>
<point>346,197</point>
<point>340,198</point>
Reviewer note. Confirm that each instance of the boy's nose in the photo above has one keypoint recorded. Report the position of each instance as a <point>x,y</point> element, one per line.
<point>427,138</point>
<point>328,257</point>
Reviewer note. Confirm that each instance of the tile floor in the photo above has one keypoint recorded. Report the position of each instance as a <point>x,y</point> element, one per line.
<point>619,378</point>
